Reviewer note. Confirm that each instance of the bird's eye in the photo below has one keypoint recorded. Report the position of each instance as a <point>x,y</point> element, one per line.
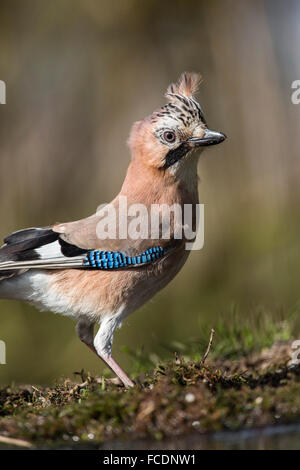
<point>169,136</point>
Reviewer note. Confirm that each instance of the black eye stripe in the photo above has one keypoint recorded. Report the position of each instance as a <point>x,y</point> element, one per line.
<point>175,155</point>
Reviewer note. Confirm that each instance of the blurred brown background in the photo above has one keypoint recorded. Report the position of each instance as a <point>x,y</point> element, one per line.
<point>78,73</point>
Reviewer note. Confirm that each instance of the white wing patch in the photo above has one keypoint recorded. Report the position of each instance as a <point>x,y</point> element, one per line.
<point>50,256</point>
<point>52,250</point>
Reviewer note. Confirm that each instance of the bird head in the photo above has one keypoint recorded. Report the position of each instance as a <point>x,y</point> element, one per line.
<point>166,139</point>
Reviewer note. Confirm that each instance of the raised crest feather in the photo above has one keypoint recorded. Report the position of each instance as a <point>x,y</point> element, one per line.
<point>187,85</point>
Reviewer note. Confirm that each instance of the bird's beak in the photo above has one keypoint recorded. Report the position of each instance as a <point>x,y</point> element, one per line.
<point>209,138</point>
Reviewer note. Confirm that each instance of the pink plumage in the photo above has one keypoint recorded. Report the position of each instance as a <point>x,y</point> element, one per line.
<point>47,266</point>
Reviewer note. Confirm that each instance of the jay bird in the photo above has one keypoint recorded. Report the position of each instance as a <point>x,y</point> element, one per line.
<point>72,269</point>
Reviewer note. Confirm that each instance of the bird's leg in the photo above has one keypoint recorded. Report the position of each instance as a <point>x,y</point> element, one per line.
<point>85,332</point>
<point>101,345</point>
<point>120,373</point>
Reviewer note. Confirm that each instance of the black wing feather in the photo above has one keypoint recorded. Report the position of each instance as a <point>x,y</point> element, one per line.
<point>20,245</point>
<point>69,250</point>
<point>39,236</point>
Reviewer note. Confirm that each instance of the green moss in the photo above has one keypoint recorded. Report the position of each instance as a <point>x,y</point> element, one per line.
<point>178,397</point>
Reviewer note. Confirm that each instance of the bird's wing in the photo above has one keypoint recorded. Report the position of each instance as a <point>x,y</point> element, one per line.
<point>46,248</point>
<point>38,248</point>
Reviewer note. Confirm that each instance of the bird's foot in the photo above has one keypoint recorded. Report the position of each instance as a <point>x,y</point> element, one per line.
<point>115,381</point>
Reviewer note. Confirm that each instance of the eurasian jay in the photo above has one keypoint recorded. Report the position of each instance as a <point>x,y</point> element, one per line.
<point>78,269</point>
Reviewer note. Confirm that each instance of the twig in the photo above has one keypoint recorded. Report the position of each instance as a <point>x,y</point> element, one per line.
<point>113,381</point>
<point>14,442</point>
<point>78,387</point>
<point>212,332</point>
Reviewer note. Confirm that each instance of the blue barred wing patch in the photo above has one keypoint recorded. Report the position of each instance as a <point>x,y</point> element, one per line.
<point>107,260</point>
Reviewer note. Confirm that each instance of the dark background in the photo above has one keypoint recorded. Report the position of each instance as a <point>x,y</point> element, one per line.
<point>78,74</point>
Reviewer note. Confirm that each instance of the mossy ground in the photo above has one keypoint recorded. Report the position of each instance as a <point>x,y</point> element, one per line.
<point>178,397</point>
<point>247,381</point>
